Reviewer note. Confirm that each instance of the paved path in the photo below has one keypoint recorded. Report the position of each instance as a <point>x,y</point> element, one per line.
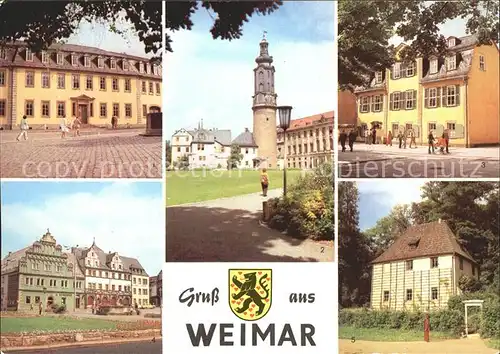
<point>121,154</point>
<point>120,348</point>
<point>228,230</point>
<point>131,318</point>
<point>417,163</point>
<point>456,346</point>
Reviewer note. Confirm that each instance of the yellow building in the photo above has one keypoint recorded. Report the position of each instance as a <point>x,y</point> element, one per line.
<point>458,93</point>
<point>140,284</point>
<point>76,81</point>
<point>421,270</point>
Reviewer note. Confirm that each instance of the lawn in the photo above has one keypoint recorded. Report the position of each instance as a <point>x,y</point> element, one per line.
<point>52,324</point>
<point>197,186</point>
<point>493,343</point>
<point>388,335</point>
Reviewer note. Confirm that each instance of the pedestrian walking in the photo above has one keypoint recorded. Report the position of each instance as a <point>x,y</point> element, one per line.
<point>352,138</point>
<point>430,140</point>
<point>342,139</point>
<point>76,126</point>
<point>405,138</point>
<point>412,139</point>
<point>446,136</point>
<point>388,142</point>
<point>113,122</point>
<point>24,129</point>
<point>264,182</point>
<point>64,126</point>
<point>400,138</point>
<point>374,135</point>
<point>370,139</point>
<point>116,123</point>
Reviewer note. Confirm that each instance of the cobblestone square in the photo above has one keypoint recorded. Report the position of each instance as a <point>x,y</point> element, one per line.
<point>110,155</point>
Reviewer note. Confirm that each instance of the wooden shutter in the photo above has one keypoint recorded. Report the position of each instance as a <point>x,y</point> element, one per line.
<point>372,104</point>
<point>439,130</point>
<point>360,104</point>
<point>426,98</point>
<point>415,103</point>
<point>444,101</point>
<point>402,97</point>
<point>402,70</point>
<point>416,130</point>
<point>459,131</point>
<point>457,95</point>
<point>370,100</point>
<point>391,101</point>
<point>438,97</point>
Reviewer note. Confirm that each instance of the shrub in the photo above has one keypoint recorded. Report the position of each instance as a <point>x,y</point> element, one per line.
<point>59,309</point>
<point>103,310</point>
<point>307,211</point>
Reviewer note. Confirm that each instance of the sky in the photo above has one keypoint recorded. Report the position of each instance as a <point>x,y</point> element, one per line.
<point>454,27</point>
<point>125,217</point>
<point>98,35</point>
<point>213,79</point>
<point>377,198</point>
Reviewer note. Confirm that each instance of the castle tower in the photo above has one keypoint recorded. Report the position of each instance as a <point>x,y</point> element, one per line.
<point>264,108</point>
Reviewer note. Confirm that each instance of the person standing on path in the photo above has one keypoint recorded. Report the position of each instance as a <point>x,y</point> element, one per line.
<point>116,123</point>
<point>264,182</point>
<point>388,142</point>
<point>431,139</point>
<point>374,135</point>
<point>412,138</point>
<point>352,139</point>
<point>400,138</point>
<point>113,122</point>
<point>64,126</point>
<point>76,126</point>
<point>342,139</point>
<point>446,137</point>
<point>24,129</point>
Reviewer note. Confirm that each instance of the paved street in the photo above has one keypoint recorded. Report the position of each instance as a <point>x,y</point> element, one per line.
<point>120,154</point>
<point>228,230</point>
<point>121,348</point>
<point>381,161</point>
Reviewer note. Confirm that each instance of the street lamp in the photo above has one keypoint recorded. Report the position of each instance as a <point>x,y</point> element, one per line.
<point>284,113</point>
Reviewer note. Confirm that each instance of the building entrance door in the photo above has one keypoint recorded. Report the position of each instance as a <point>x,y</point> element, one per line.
<point>77,302</point>
<point>83,113</point>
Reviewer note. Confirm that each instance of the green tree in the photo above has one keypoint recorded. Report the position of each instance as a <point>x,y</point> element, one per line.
<point>389,227</point>
<point>353,249</point>
<point>235,157</point>
<point>229,16</point>
<point>365,28</point>
<point>168,153</point>
<point>41,23</point>
<point>184,162</point>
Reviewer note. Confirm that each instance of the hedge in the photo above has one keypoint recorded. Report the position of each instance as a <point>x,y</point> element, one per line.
<point>450,320</point>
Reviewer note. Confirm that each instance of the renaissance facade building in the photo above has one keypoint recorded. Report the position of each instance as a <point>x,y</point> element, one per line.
<point>77,278</point>
<point>69,81</point>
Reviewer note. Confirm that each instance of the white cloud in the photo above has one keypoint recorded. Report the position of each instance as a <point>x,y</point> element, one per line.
<point>213,80</point>
<point>120,220</point>
<point>393,191</point>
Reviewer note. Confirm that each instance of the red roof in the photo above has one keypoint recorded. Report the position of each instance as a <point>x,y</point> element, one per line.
<point>301,123</point>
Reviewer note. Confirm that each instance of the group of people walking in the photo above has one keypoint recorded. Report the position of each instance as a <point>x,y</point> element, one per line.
<point>349,137</point>
<point>75,125</point>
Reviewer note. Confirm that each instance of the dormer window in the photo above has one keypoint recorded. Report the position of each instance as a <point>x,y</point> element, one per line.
<point>414,243</point>
<point>125,64</point>
<point>451,42</point>
<point>155,69</point>
<point>113,63</point>
<point>45,57</point>
<point>148,68</point>
<point>74,60</point>
<point>434,66</point>
<point>451,63</point>
<point>141,67</point>
<point>60,58</point>
<point>3,53</point>
<point>87,61</point>
<point>29,55</point>
<point>100,62</point>
<point>378,77</point>
<point>410,69</point>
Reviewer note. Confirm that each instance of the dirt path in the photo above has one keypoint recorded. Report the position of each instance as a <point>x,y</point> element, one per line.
<point>455,346</point>
<point>228,230</point>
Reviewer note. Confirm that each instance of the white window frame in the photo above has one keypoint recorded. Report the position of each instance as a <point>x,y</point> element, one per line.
<point>141,67</point>
<point>29,55</point>
<point>451,96</point>
<point>434,66</point>
<point>45,77</point>
<point>410,99</point>
<point>74,60</point>
<point>60,58</point>
<point>396,71</point>
<point>451,63</point>
<point>398,100</point>
<point>432,96</point>
<point>482,63</point>
<point>451,42</point>
<point>410,68</point>
<point>100,62</point>
<point>87,61</point>
<point>125,64</point>
<point>3,53</point>
<point>378,77</point>
<point>148,68</point>
<point>363,103</point>
<point>45,57</point>
<point>113,63</point>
